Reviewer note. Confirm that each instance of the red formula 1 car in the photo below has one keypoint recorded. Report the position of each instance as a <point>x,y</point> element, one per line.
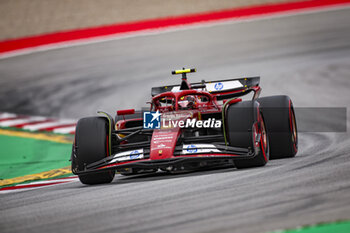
<point>187,127</point>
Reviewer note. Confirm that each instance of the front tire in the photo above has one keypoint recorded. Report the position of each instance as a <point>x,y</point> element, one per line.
<point>244,123</point>
<point>91,143</point>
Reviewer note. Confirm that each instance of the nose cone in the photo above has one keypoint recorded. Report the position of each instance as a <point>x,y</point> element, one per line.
<point>163,143</point>
<point>164,139</point>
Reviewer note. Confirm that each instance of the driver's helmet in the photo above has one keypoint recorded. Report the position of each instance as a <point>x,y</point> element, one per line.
<point>187,102</point>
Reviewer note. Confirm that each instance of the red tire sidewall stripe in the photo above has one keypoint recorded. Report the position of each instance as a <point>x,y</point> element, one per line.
<point>291,126</point>
<point>261,143</point>
<point>263,150</point>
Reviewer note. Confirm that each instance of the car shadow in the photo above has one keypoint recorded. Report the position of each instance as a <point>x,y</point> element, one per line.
<point>161,175</point>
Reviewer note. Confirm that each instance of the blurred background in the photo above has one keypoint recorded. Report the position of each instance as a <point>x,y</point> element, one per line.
<point>302,54</point>
<point>21,18</point>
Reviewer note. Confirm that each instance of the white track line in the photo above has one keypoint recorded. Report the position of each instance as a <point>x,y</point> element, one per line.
<point>62,181</point>
<point>7,115</point>
<point>13,122</point>
<point>58,123</point>
<point>36,123</point>
<point>65,130</point>
<point>50,181</point>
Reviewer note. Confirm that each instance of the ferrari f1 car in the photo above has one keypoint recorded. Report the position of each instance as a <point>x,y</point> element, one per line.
<point>187,127</point>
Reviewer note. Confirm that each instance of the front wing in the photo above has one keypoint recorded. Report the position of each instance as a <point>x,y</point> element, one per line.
<point>183,154</point>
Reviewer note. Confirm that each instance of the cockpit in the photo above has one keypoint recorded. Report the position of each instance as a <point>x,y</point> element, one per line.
<point>186,100</point>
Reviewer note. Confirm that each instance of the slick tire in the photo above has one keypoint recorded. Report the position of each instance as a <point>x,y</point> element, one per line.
<point>244,122</point>
<point>92,145</point>
<point>281,125</point>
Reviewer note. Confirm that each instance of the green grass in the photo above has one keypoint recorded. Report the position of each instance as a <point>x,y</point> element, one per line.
<point>335,227</point>
<point>24,156</point>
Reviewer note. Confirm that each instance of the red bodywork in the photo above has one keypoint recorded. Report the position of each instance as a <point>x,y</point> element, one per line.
<point>161,147</point>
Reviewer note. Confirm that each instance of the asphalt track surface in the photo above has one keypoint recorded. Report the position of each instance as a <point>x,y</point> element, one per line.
<point>305,56</point>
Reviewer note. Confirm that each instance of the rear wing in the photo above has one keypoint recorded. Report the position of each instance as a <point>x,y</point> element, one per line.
<point>222,89</point>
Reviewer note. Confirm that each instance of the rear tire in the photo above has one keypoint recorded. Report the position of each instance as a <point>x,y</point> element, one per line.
<point>92,145</point>
<point>281,125</point>
<point>244,120</point>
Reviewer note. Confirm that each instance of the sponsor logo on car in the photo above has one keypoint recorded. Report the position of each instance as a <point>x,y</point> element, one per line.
<point>127,155</point>
<point>199,149</point>
<point>135,154</point>
<point>161,146</point>
<point>192,148</point>
<point>219,86</point>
